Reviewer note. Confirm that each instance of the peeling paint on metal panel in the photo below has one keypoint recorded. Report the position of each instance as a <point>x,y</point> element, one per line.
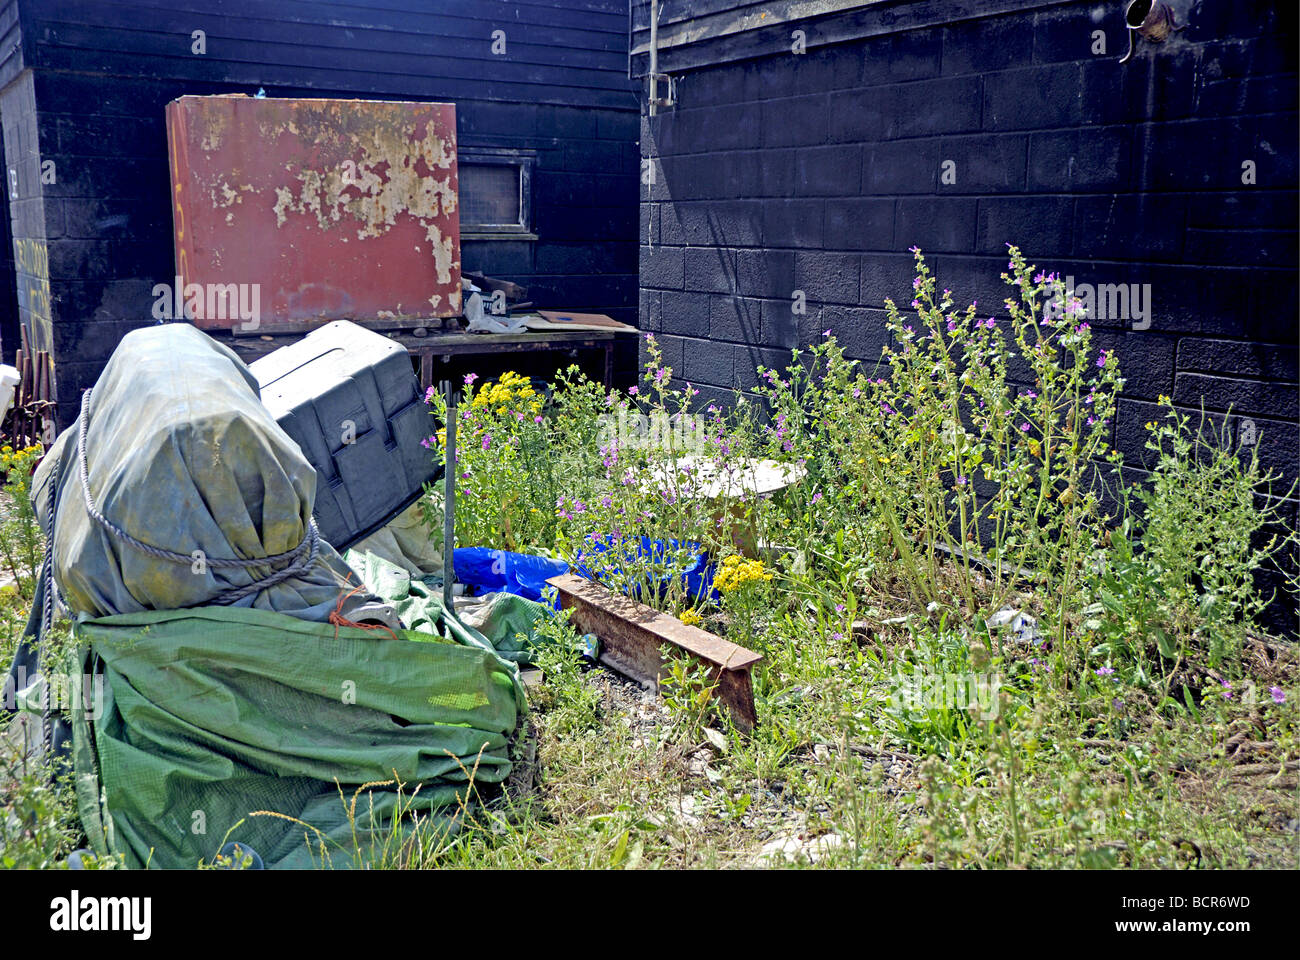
<point>377,171</point>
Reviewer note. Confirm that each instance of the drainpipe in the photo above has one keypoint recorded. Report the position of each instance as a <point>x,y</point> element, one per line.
<point>657,101</point>
<point>654,57</point>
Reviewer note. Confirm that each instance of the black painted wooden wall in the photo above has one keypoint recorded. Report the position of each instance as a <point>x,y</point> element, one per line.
<point>98,74</point>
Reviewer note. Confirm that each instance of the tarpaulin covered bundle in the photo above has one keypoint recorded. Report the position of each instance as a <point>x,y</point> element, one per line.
<point>183,546</point>
<point>181,456</point>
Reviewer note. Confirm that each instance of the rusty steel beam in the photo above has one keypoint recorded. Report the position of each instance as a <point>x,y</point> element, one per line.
<point>632,634</point>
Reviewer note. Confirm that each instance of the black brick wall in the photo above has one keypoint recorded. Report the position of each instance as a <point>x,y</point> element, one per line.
<point>817,171</point>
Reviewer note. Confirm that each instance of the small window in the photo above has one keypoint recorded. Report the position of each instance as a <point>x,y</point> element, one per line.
<point>495,193</point>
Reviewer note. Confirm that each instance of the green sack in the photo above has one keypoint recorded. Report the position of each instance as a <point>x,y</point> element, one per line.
<point>210,715</point>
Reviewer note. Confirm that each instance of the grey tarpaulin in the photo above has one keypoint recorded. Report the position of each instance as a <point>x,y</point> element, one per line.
<point>182,455</point>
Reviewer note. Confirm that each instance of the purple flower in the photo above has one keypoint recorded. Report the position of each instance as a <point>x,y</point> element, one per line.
<point>1104,671</point>
<point>633,391</point>
<point>537,419</point>
<point>961,480</point>
<point>826,332</point>
<point>470,378</point>
<point>487,440</point>
<point>1024,428</point>
<point>817,496</point>
<point>952,326</point>
<point>1101,359</point>
<point>837,635</point>
<point>839,608</point>
<point>1277,694</point>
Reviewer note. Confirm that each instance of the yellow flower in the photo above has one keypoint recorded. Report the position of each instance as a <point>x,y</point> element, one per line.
<point>691,618</point>
<point>737,571</point>
<point>511,389</point>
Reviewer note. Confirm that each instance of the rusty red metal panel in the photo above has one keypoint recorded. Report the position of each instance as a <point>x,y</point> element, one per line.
<point>314,210</point>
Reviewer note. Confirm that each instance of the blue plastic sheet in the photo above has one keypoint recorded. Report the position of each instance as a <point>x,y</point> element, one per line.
<point>499,571</point>
<point>484,570</point>
<point>696,572</point>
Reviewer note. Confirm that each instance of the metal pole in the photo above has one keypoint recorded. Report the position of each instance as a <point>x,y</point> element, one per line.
<point>449,498</point>
<point>654,57</point>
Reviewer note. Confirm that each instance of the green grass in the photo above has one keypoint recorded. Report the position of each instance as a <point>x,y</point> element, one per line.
<point>610,776</point>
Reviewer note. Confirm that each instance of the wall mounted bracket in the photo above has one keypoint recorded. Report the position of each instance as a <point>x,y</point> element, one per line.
<point>1151,20</point>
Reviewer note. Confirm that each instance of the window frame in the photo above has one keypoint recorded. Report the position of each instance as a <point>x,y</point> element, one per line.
<point>524,161</point>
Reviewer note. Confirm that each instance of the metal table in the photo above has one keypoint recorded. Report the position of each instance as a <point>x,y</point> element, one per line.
<point>445,345</point>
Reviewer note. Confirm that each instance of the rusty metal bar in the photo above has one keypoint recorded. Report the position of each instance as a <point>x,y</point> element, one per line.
<point>449,500</point>
<point>632,634</point>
